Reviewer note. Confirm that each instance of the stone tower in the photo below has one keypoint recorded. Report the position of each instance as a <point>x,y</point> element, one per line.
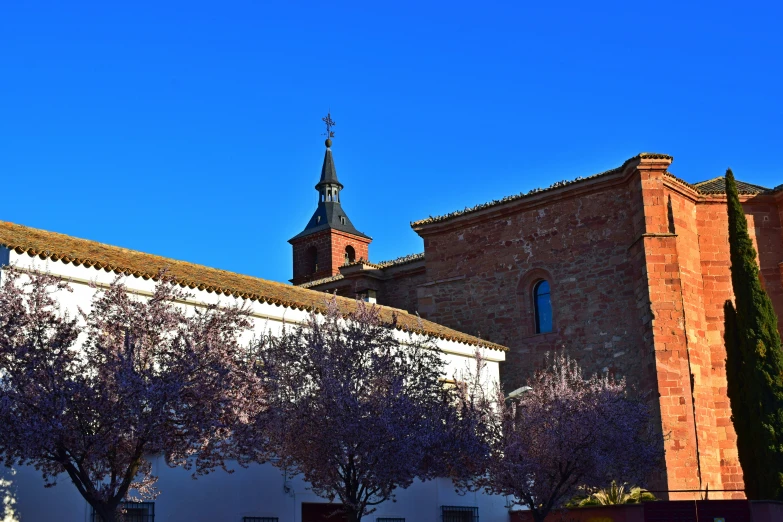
<point>329,240</point>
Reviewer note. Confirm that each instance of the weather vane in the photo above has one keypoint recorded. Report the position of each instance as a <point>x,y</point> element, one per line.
<point>329,124</point>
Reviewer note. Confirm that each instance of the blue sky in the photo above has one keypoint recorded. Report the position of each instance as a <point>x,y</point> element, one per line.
<point>192,129</point>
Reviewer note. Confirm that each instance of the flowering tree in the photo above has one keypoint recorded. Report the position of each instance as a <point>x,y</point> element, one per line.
<point>92,395</point>
<point>564,433</point>
<point>358,411</point>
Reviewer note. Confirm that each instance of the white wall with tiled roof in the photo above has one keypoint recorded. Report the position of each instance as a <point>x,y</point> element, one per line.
<point>255,491</point>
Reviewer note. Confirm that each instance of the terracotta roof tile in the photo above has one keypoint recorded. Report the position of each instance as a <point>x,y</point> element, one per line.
<point>718,186</point>
<point>321,281</point>
<point>60,247</point>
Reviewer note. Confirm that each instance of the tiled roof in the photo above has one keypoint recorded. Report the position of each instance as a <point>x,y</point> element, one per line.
<point>60,247</point>
<point>718,186</point>
<point>522,195</point>
<point>321,281</point>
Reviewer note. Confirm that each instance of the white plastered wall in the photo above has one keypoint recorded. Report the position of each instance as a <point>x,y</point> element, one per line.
<point>260,490</point>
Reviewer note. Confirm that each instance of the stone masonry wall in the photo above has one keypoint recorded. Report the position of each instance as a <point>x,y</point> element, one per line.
<point>302,270</point>
<point>401,291</point>
<point>639,273</point>
<point>331,246</point>
<point>480,278</point>
<point>341,240</point>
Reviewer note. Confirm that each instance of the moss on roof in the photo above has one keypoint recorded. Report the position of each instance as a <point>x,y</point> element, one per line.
<point>68,249</point>
<point>321,281</point>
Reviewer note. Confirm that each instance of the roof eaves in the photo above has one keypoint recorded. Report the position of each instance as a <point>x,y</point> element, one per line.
<point>536,191</point>
<point>122,261</point>
<point>402,260</point>
<point>321,281</point>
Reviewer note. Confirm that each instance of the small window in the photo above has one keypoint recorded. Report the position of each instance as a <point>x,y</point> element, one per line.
<point>459,514</point>
<point>260,519</point>
<point>370,296</point>
<point>350,254</point>
<point>312,259</point>
<point>543,306</point>
<point>342,220</point>
<point>133,512</point>
<point>317,219</point>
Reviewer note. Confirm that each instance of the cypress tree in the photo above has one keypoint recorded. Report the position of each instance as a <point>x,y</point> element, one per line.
<point>754,363</point>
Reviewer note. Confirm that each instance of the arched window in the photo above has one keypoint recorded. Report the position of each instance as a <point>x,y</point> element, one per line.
<point>312,260</point>
<point>543,306</point>
<point>350,254</point>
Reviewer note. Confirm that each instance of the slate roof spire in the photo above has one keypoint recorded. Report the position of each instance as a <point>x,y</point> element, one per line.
<point>329,214</point>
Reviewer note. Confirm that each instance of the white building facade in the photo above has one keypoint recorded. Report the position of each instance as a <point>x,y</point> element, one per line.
<point>260,493</point>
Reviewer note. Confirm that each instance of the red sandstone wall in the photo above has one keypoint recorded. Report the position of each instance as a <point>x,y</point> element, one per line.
<point>704,271</point>
<point>764,223</point>
<point>401,291</point>
<point>480,277</point>
<point>639,276</point>
<point>340,240</point>
<point>331,246</point>
<point>302,270</point>
<point>662,311</point>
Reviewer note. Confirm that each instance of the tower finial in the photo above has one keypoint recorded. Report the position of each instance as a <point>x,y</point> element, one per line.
<point>329,132</point>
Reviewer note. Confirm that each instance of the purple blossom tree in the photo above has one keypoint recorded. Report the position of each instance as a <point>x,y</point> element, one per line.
<point>359,411</point>
<point>92,395</point>
<point>562,434</point>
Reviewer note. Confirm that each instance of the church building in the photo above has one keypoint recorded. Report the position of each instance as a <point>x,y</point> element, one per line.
<point>627,270</point>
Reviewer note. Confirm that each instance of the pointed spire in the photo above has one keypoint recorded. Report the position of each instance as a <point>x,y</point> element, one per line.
<point>328,172</point>
<point>329,214</point>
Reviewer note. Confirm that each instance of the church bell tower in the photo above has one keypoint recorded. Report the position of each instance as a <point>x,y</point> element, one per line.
<point>329,240</point>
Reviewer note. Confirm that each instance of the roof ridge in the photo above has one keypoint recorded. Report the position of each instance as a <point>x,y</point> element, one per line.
<point>408,258</point>
<point>121,260</point>
<point>706,181</point>
<point>316,282</point>
<point>534,191</point>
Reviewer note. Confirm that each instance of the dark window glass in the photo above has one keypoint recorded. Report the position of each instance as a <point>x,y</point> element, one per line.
<point>543,305</point>
<point>459,514</point>
<point>133,512</point>
<point>312,259</point>
<point>350,254</point>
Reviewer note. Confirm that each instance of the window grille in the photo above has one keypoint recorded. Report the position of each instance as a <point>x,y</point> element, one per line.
<point>133,512</point>
<point>459,514</point>
<point>260,519</point>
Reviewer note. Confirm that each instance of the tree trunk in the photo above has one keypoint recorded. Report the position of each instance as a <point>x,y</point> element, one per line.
<point>354,517</point>
<point>106,513</point>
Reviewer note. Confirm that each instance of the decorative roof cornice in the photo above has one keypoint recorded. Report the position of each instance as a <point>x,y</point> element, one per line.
<point>536,191</point>
<point>410,258</point>
<point>122,261</point>
<point>403,260</point>
<point>679,180</point>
